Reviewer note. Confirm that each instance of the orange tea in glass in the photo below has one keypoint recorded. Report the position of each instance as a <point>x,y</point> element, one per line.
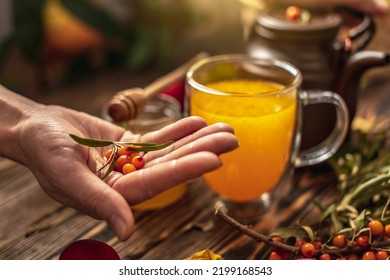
<point>262,100</point>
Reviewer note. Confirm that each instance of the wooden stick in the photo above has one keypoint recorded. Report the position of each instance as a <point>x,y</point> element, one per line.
<point>126,104</point>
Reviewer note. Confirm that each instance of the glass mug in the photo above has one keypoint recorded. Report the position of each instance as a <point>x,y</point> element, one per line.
<point>262,101</point>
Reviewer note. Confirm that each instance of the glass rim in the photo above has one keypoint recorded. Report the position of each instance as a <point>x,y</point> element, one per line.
<point>288,67</point>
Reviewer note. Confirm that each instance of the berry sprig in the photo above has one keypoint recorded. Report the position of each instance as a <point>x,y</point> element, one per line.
<point>124,157</point>
<point>355,226</point>
<point>338,247</point>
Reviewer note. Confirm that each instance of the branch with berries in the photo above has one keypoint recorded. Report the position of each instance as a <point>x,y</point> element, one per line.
<point>355,226</point>
<point>341,249</point>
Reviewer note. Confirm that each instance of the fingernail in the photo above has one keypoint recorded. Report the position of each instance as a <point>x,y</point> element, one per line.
<point>118,226</point>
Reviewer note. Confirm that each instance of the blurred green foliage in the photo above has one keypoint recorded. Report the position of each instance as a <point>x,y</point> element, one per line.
<point>143,36</point>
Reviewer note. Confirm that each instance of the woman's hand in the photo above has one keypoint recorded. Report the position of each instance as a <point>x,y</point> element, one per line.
<point>66,170</point>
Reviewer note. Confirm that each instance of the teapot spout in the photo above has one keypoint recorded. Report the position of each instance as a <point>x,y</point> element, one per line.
<point>356,65</point>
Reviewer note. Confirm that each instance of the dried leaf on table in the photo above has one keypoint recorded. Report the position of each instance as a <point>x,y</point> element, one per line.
<point>205,255</point>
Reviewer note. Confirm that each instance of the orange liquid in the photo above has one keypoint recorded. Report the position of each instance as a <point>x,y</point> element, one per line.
<point>163,199</point>
<point>264,125</point>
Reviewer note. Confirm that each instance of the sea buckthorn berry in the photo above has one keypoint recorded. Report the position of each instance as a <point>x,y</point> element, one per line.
<point>293,13</point>
<point>286,255</point>
<point>387,230</point>
<point>369,255</point>
<point>325,257</point>
<point>275,256</point>
<point>362,241</point>
<point>138,162</point>
<point>123,151</point>
<point>299,243</point>
<point>381,255</point>
<point>134,154</point>
<point>107,154</point>
<point>121,161</point>
<point>352,257</point>
<point>340,241</point>
<point>128,168</point>
<point>277,238</point>
<point>308,250</point>
<point>317,244</point>
<point>376,227</point>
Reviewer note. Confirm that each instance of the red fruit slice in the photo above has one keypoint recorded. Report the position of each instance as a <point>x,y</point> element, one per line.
<point>89,249</point>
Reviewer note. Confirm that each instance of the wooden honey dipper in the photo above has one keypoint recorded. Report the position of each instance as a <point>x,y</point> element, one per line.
<point>126,104</point>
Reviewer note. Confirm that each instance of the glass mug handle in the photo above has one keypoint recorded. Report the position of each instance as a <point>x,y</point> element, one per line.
<point>332,143</point>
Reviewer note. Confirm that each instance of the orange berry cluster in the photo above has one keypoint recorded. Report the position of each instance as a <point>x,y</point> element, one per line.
<point>316,250</point>
<point>376,231</point>
<point>127,161</point>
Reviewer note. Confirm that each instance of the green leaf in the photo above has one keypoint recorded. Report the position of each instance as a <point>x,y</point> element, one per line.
<point>91,142</point>
<point>112,165</point>
<point>367,189</point>
<point>327,212</point>
<point>294,231</point>
<point>309,232</point>
<point>147,147</point>
<point>336,223</point>
<point>347,231</point>
<point>360,220</point>
<point>93,16</point>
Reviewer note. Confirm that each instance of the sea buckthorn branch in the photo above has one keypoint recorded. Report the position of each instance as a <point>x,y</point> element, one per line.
<point>298,250</point>
<point>220,211</point>
<point>124,151</point>
<point>357,224</point>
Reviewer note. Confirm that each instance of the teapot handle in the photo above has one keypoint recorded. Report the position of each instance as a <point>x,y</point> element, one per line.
<point>364,31</point>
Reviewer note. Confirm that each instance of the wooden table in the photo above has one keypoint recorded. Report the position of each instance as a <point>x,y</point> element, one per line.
<point>171,233</point>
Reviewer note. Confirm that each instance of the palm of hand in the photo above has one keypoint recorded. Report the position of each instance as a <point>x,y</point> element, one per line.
<point>66,170</point>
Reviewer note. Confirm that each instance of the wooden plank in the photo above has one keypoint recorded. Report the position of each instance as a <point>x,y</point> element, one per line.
<point>22,200</point>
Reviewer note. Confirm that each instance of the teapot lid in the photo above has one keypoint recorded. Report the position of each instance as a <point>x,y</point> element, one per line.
<point>322,25</point>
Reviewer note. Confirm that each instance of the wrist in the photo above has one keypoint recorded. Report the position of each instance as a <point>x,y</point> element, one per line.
<point>15,112</point>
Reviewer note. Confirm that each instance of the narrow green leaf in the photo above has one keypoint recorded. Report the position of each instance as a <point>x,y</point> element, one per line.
<point>146,147</point>
<point>294,231</point>
<point>309,232</point>
<point>137,144</point>
<point>110,168</point>
<point>367,189</point>
<point>327,212</point>
<point>360,220</point>
<point>91,142</point>
<point>335,220</point>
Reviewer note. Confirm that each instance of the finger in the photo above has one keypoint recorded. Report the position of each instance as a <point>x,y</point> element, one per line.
<point>146,183</point>
<point>176,130</point>
<point>101,201</point>
<point>217,143</point>
<point>188,139</point>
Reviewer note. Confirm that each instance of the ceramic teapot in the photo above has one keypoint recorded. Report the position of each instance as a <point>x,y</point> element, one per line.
<point>328,49</point>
